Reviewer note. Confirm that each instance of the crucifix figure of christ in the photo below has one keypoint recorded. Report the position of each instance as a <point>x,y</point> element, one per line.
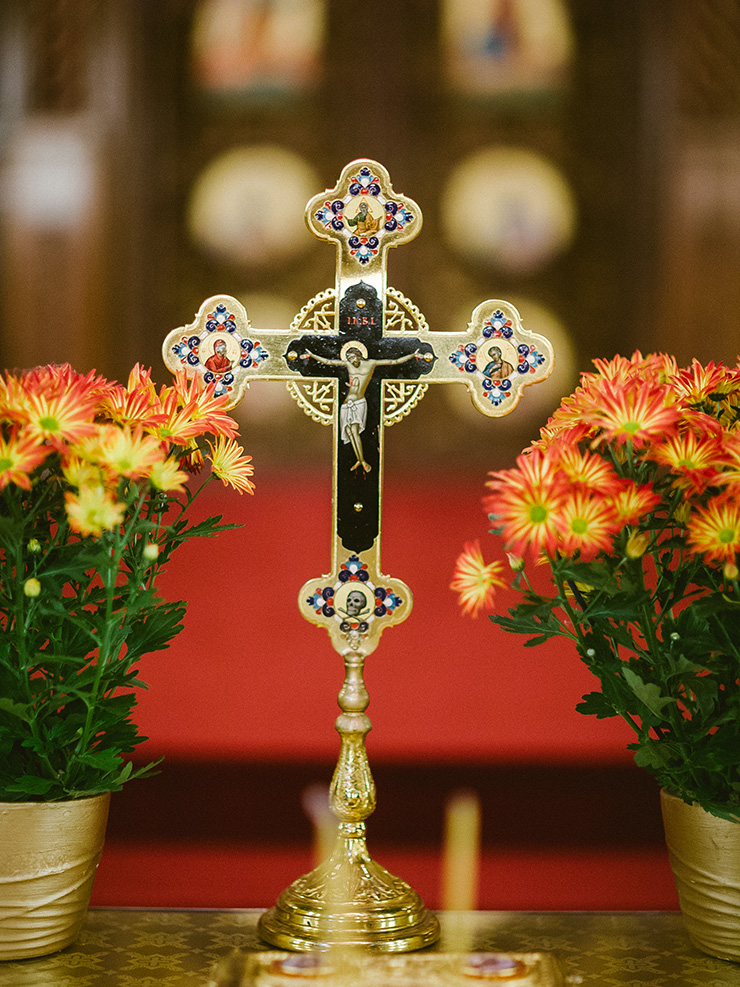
<point>353,410</point>
<point>358,357</point>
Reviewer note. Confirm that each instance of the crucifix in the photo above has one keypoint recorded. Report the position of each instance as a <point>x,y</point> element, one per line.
<point>358,357</point>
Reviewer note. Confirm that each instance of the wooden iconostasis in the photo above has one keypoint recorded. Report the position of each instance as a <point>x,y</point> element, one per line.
<point>579,159</point>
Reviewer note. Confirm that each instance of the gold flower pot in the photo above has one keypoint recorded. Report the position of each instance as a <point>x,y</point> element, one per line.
<point>49,852</point>
<point>704,853</point>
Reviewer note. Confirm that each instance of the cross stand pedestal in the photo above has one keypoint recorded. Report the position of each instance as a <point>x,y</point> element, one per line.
<point>358,357</point>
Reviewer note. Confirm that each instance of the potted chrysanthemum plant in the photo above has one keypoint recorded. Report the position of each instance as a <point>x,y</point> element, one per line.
<point>622,528</point>
<point>94,500</point>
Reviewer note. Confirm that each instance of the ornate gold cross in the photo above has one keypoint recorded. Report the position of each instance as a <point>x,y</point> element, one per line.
<point>358,357</point>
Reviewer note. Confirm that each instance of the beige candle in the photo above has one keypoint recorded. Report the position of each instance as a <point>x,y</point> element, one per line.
<point>315,800</point>
<point>461,855</point>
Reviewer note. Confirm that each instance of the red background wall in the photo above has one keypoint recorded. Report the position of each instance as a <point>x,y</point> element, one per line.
<point>251,685</point>
<point>249,677</point>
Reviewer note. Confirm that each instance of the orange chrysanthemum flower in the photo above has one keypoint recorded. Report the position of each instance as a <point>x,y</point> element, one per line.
<point>474,581</point>
<point>567,420</point>
<point>533,469</point>
<point>619,369</point>
<point>586,524</point>
<point>192,461</point>
<point>191,410</point>
<point>7,409</point>
<point>697,383</point>
<point>633,502</point>
<point>204,406</point>
<point>714,530</point>
<point>230,465</point>
<point>662,367</point>
<point>209,411</point>
<point>694,460</point>
<point>525,503</point>
<point>20,454</point>
<point>585,469</point>
<point>133,408</point>
<point>635,414</point>
<point>623,370</point>
<point>55,379</point>
<point>566,428</point>
<point>729,459</point>
<point>140,379</point>
<point>60,417</point>
<point>177,425</point>
<point>701,423</point>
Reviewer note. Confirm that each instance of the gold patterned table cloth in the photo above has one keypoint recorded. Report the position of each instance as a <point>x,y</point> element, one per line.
<point>146,948</point>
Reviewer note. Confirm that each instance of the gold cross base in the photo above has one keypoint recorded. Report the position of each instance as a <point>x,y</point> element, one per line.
<point>350,900</point>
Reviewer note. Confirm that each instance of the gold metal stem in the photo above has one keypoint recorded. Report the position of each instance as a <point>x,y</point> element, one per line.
<point>352,792</point>
<point>350,899</point>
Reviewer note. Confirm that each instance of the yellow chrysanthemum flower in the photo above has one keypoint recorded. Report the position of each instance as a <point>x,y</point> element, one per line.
<point>230,465</point>
<point>129,453</point>
<point>80,472</point>
<point>166,476</point>
<point>93,510</point>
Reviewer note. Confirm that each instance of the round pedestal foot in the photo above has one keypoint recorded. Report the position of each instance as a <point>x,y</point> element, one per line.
<point>349,901</point>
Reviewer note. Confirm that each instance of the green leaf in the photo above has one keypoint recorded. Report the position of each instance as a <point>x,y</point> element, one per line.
<point>721,811</point>
<point>652,755</point>
<point>683,665</point>
<point>597,575</point>
<point>534,617</point>
<point>125,772</point>
<point>11,533</point>
<point>706,691</point>
<point>153,629</point>
<point>14,709</point>
<point>596,704</point>
<point>49,659</point>
<point>647,692</point>
<point>103,760</point>
<point>31,785</point>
